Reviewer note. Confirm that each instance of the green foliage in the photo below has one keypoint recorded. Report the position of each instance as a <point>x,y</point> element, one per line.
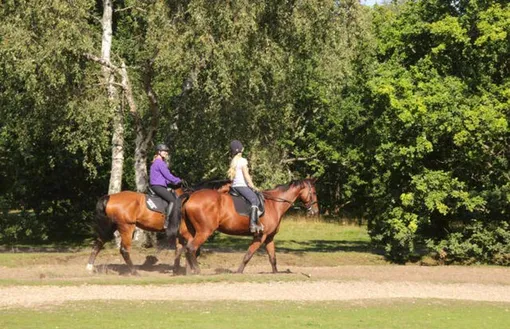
<point>402,110</point>
<point>477,242</point>
<point>440,128</point>
<point>53,130</point>
<point>15,228</point>
<point>396,231</point>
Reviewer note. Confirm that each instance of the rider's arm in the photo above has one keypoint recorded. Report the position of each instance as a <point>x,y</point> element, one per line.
<point>165,172</point>
<point>247,177</point>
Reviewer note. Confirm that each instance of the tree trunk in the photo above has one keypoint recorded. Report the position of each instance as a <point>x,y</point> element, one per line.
<point>118,118</point>
<point>142,141</point>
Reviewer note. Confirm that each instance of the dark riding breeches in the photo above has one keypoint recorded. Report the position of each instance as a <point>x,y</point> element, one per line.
<point>163,193</point>
<point>249,194</point>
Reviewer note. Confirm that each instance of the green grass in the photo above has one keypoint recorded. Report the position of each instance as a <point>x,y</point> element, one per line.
<point>406,314</point>
<point>31,258</point>
<point>299,243</point>
<point>298,235</point>
<point>321,243</point>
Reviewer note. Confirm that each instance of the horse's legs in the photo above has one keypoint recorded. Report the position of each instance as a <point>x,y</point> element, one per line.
<point>271,253</point>
<point>126,233</point>
<point>98,245</point>
<point>180,248</point>
<point>254,246</point>
<point>190,263</point>
<point>184,237</point>
<point>192,247</point>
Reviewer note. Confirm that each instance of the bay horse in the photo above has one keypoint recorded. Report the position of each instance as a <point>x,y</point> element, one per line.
<point>206,211</point>
<point>126,210</point>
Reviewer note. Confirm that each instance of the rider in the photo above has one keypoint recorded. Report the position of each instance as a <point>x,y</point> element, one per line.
<point>160,177</point>
<point>243,184</point>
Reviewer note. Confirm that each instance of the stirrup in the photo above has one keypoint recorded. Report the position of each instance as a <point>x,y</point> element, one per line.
<point>254,228</point>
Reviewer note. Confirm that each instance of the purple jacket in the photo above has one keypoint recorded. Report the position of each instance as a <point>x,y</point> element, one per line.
<point>161,175</point>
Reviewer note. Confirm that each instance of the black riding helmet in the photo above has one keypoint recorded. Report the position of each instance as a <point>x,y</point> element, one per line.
<point>162,147</point>
<point>236,147</point>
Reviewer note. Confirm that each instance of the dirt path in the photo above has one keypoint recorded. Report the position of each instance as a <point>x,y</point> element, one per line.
<point>315,284</point>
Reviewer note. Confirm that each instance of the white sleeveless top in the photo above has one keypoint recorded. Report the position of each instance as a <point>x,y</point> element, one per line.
<point>239,180</point>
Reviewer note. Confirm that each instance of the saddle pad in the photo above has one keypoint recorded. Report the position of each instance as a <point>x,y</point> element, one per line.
<point>155,203</point>
<point>243,207</point>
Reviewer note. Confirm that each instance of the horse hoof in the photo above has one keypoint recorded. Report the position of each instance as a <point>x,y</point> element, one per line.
<point>90,268</point>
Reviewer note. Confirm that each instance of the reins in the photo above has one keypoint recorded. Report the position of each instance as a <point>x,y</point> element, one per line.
<point>308,205</point>
<point>277,199</point>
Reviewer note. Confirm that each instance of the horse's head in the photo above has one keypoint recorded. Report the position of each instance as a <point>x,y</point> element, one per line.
<point>308,196</point>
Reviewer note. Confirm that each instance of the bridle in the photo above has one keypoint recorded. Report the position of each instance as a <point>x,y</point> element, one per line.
<point>308,205</point>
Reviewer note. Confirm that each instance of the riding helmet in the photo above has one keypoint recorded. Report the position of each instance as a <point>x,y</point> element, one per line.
<point>236,147</point>
<point>162,147</point>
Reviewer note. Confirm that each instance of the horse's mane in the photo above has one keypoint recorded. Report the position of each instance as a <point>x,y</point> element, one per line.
<point>285,187</point>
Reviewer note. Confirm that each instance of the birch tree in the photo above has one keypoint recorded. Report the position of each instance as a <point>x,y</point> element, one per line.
<point>114,103</point>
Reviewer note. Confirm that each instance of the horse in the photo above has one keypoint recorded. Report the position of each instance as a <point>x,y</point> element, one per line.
<point>206,211</point>
<point>126,210</point>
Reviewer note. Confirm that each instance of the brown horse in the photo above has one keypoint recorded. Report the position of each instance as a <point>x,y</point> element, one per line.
<point>126,210</point>
<point>209,210</point>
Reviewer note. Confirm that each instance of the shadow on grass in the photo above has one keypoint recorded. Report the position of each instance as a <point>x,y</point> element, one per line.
<point>55,248</point>
<point>326,246</point>
<point>150,265</point>
<point>240,244</point>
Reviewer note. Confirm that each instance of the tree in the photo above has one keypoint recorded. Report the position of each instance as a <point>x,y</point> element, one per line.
<point>440,129</point>
<point>52,128</point>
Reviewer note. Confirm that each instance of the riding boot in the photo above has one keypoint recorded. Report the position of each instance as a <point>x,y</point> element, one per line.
<point>168,212</point>
<point>254,217</point>
<point>176,217</point>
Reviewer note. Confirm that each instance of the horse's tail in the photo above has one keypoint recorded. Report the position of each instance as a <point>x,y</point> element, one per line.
<point>105,227</point>
<point>189,226</point>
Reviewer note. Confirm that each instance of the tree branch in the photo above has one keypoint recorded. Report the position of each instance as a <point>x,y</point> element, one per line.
<point>102,62</point>
<point>127,88</point>
<point>153,100</point>
<point>131,7</point>
<point>298,159</point>
<point>122,71</point>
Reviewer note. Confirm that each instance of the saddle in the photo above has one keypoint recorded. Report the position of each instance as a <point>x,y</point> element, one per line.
<point>243,206</point>
<point>154,202</point>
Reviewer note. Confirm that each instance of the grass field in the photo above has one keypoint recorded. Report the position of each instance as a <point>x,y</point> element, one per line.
<point>299,243</point>
<point>315,243</point>
<point>409,314</point>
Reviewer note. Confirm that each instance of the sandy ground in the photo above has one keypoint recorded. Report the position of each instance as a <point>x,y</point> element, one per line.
<point>348,282</point>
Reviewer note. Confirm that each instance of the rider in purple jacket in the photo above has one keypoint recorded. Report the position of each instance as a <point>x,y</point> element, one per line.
<point>160,177</point>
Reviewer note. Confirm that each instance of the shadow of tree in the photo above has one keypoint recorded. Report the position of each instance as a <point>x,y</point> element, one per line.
<point>327,246</point>
<point>148,266</point>
<point>38,249</point>
<point>240,244</point>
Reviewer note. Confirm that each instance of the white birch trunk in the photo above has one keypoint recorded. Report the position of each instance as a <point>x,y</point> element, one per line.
<point>113,97</point>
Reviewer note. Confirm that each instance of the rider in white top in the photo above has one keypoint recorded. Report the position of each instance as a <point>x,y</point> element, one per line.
<point>239,176</point>
<point>242,183</point>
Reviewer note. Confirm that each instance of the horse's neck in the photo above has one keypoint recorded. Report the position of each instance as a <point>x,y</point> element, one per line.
<point>281,197</point>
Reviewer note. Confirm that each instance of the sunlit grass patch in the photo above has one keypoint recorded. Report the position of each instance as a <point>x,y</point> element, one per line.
<point>377,314</point>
